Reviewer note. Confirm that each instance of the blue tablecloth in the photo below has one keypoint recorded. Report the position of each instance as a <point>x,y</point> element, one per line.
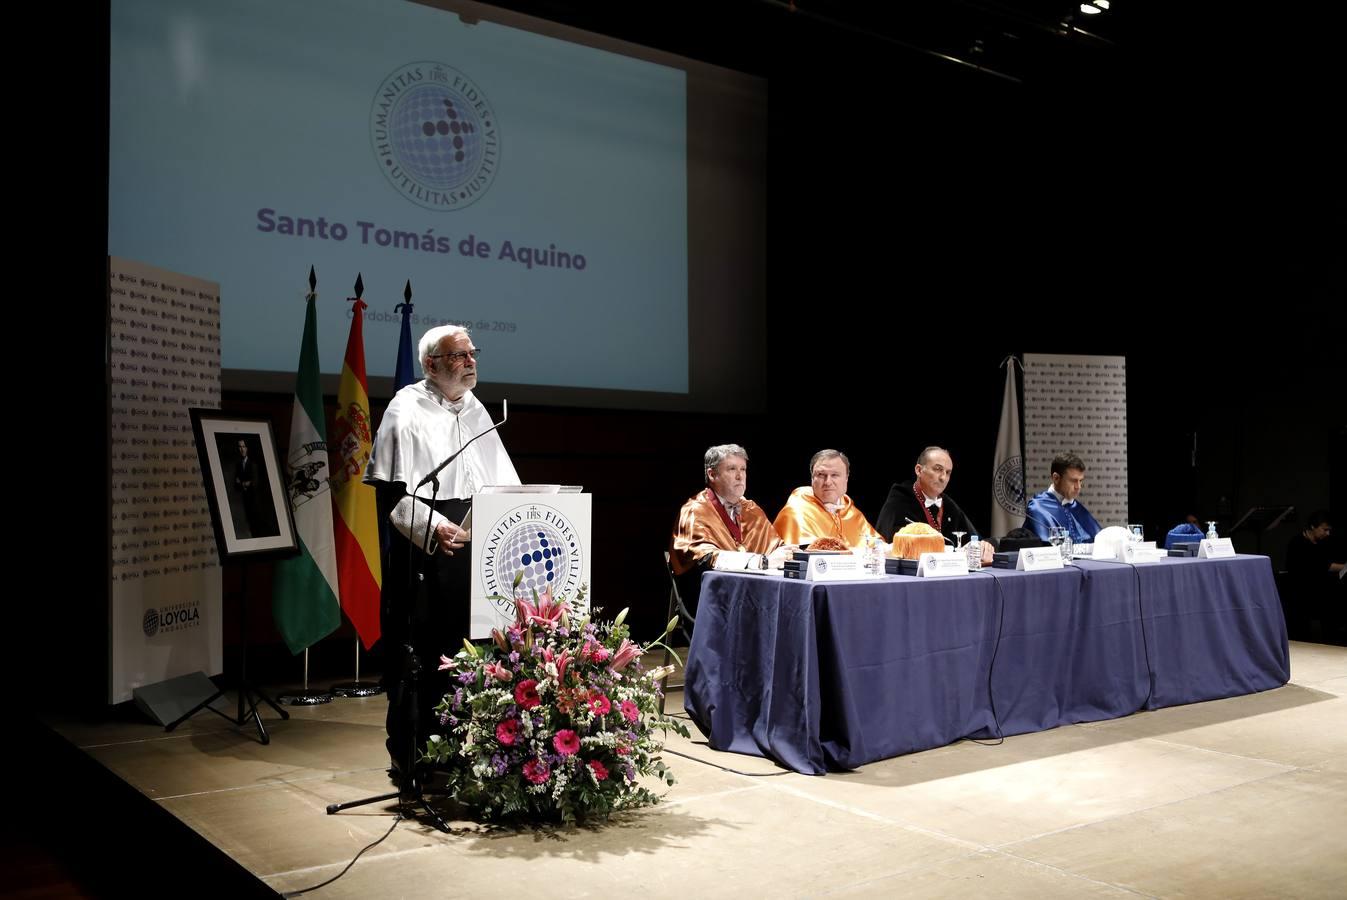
<point>830,676</point>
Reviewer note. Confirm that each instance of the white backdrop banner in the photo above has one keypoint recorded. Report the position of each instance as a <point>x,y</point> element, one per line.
<point>1078,404</point>
<point>163,357</point>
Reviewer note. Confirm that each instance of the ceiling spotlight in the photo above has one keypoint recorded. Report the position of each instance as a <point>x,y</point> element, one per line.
<point>1102,4</point>
<point>1090,9</point>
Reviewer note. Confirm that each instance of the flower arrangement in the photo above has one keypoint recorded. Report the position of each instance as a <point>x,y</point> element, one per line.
<point>554,718</point>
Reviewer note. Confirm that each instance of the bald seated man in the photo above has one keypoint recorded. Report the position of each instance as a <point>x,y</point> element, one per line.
<point>923,499</point>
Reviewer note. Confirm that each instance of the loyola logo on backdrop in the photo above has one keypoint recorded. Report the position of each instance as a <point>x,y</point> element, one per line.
<point>435,135</point>
<point>175,617</point>
<point>536,542</point>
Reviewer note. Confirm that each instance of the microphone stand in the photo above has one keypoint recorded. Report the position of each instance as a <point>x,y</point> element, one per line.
<point>434,473</point>
<point>411,791</point>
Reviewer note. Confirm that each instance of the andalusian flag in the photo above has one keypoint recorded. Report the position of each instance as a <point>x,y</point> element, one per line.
<point>304,590</point>
<point>356,525</point>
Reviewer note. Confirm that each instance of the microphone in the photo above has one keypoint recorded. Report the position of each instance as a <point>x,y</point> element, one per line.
<point>433,476</point>
<point>504,417</point>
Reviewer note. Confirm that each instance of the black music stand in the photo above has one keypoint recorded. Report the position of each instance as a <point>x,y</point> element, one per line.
<point>1262,519</point>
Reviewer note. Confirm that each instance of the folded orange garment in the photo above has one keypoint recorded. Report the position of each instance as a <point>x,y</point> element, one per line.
<point>915,539</point>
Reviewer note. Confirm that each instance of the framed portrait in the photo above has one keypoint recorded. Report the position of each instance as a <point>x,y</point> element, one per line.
<point>245,485</point>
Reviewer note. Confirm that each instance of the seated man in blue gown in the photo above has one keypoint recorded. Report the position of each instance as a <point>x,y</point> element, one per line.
<point>1058,504</point>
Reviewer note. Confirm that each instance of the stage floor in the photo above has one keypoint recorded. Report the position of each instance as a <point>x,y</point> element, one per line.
<point>1245,797</point>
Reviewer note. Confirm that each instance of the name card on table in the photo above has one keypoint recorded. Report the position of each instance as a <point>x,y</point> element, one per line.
<point>739,561</point>
<point>1037,559</point>
<point>1221,548</point>
<point>1141,553</point>
<point>942,565</point>
<point>838,567</point>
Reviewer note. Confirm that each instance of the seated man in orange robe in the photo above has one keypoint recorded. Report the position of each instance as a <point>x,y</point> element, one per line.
<point>719,518</point>
<point>823,509</point>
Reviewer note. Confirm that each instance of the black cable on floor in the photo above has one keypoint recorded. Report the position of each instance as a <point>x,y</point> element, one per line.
<point>1145,645</point>
<point>996,646</point>
<point>727,768</point>
<point>396,819</point>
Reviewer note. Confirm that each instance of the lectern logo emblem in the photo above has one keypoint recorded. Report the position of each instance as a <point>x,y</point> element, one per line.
<point>537,543</point>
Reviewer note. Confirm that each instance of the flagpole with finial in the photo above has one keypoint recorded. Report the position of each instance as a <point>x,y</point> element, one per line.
<point>358,688</point>
<point>305,696</point>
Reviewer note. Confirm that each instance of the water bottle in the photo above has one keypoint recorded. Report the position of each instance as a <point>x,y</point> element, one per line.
<point>973,551</point>
<point>874,556</point>
<point>1067,547</point>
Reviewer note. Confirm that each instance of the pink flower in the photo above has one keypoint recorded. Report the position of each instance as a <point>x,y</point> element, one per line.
<point>507,732</point>
<point>626,652</point>
<point>445,663</point>
<point>630,711</point>
<point>547,612</point>
<point>622,749</point>
<point>594,652</point>
<point>522,611</point>
<point>536,771</point>
<point>567,742</point>
<point>599,769</point>
<point>599,704</point>
<point>499,672</point>
<point>563,660</point>
<point>499,638</point>
<point>526,693</point>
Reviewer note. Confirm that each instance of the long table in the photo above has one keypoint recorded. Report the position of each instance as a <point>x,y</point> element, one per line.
<point>829,676</point>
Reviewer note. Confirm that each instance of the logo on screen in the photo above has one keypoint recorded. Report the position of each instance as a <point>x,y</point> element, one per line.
<point>435,135</point>
<point>151,622</point>
<point>540,545</point>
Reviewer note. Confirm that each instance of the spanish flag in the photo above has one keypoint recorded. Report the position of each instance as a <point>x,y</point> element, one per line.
<point>356,525</point>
